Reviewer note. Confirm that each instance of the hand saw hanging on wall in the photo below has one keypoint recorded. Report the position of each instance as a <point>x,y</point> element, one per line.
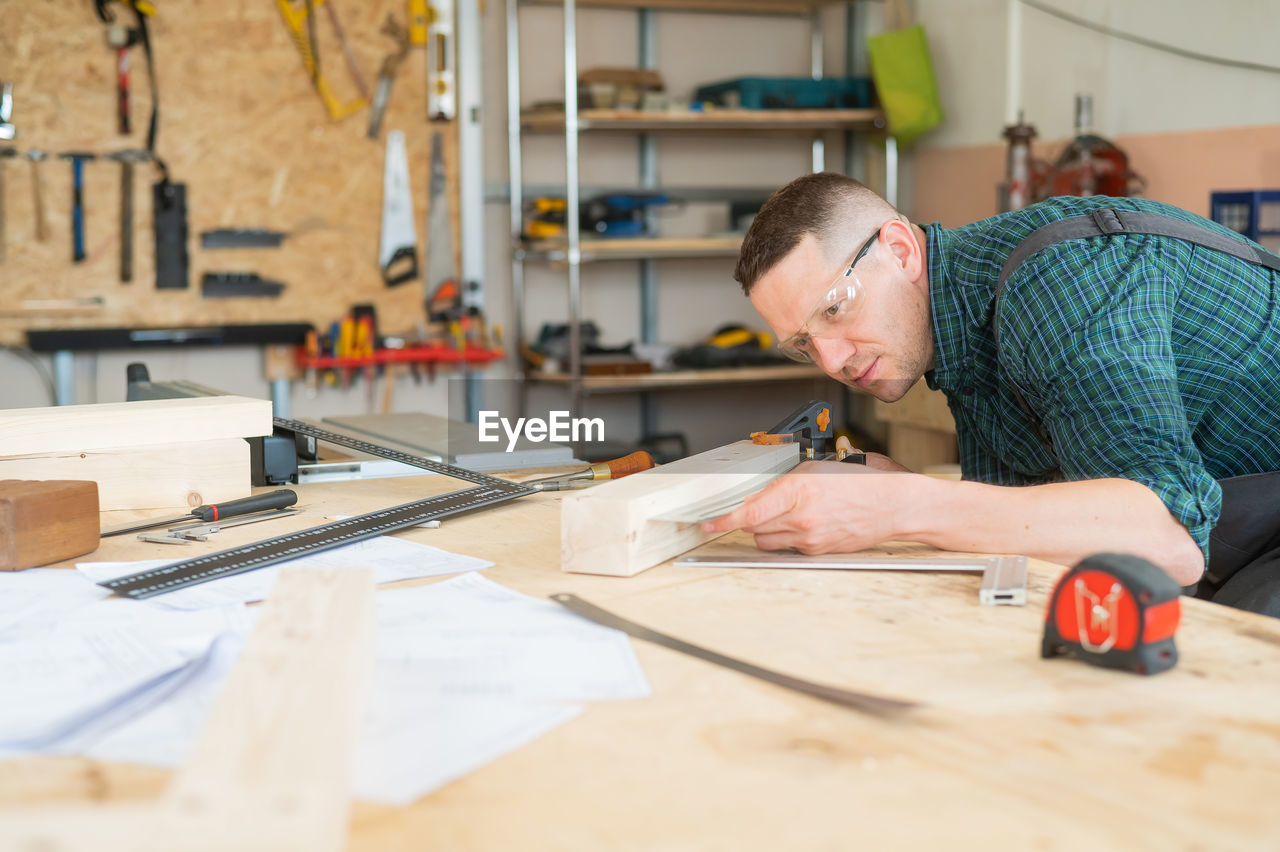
<point>397,251</point>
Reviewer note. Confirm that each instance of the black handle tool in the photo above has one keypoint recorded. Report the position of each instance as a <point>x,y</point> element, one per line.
<point>278,499</point>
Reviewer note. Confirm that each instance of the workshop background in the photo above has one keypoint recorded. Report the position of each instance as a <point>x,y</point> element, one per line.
<point>243,127</point>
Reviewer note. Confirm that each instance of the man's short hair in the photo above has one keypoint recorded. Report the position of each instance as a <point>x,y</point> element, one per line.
<point>828,205</point>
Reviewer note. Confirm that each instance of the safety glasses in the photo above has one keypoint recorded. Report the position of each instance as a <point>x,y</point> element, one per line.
<point>835,310</point>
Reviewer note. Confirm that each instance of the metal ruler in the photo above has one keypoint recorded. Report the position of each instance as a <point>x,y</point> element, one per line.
<point>1004,578</point>
<point>489,491</point>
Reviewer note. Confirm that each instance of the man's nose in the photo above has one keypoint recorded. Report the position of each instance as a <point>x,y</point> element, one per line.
<point>831,354</point>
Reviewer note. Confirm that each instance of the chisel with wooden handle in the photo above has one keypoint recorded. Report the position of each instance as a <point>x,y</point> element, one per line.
<point>616,469</point>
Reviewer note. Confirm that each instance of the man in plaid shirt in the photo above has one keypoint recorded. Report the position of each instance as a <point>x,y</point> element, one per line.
<point>1148,369</point>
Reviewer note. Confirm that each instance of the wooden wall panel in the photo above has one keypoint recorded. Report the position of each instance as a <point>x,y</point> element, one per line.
<point>241,125</point>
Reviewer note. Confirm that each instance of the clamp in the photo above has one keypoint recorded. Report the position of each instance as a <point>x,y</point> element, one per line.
<point>810,427</point>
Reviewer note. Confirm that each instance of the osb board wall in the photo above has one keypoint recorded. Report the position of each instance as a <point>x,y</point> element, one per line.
<point>242,127</point>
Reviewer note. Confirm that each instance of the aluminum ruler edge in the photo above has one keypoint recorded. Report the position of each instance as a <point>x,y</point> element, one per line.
<point>489,491</point>
<point>1004,578</point>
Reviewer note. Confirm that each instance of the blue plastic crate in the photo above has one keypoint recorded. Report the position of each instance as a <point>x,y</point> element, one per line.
<point>1254,213</point>
<point>788,93</point>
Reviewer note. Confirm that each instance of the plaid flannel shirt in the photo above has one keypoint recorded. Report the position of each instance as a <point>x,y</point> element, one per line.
<point>1147,358</point>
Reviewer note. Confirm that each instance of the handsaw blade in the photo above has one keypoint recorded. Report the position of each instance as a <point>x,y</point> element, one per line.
<point>440,266</point>
<point>866,702</point>
<point>397,249</point>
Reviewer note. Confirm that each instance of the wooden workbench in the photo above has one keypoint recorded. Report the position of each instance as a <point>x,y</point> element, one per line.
<point>1009,752</point>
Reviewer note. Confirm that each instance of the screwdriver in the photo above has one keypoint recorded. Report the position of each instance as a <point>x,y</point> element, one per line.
<point>217,511</point>
<point>616,469</point>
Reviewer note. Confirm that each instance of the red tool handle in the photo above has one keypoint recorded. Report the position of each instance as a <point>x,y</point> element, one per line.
<point>257,503</point>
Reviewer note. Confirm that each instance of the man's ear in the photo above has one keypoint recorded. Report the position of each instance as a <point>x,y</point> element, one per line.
<point>901,240</point>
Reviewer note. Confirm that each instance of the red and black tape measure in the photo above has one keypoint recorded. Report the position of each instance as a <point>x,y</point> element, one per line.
<point>1117,611</point>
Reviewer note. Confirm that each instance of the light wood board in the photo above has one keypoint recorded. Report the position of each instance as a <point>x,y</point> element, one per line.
<point>180,476</point>
<point>143,423</point>
<point>272,767</point>
<point>615,529</point>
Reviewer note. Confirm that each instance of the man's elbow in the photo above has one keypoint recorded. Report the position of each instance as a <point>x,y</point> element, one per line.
<point>1181,558</point>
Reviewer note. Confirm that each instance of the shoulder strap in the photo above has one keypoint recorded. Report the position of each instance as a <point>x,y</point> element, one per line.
<point>1107,222</point>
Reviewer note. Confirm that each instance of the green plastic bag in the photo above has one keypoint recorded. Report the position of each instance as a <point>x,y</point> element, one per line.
<point>903,74</point>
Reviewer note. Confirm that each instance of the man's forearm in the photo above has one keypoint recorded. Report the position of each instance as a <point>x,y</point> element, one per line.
<point>1061,522</point>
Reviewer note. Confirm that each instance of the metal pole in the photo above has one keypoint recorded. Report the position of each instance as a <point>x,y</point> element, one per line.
<point>64,377</point>
<point>572,223</point>
<point>648,55</point>
<point>516,193</point>
<point>815,70</point>
<point>471,177</point>
<point>891,170</point>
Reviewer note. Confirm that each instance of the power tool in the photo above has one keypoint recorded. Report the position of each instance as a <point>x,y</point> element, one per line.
<point>619,214</point>
<point>1117,611</point>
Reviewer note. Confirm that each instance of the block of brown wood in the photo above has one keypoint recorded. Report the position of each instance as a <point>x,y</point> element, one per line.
<point>621,527</point>
<point>42,522</point>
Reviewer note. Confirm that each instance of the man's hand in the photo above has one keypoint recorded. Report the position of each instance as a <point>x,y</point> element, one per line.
<point>822,507</point>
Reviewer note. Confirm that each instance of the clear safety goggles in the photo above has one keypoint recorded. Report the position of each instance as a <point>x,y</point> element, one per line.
<point>834,311</point>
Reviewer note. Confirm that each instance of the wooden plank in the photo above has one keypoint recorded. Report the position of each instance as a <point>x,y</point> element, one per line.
<point>46,522</point>
<point>613,528</point>
<point>163,476</point>
<point>272,768</point>
<point>29,431</point>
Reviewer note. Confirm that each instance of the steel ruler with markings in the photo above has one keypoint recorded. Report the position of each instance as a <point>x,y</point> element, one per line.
<point>1004,578</point>
<point>488,491</point>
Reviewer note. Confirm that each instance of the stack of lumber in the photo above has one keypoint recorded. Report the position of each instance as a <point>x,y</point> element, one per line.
<point>149,454</point>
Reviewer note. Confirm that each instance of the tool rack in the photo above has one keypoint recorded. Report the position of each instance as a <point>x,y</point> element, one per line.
<point>436,353</point>
<point>572,251</point>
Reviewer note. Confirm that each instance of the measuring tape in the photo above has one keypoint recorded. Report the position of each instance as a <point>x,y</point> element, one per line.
<point>489,491</point>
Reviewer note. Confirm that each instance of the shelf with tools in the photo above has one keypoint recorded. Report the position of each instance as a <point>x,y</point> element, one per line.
<point>436,353</point>
<point>741,7</point>
<point>706,120</point>
<point>681,378</point>
<point>560,233</point>
<point>632,248</point>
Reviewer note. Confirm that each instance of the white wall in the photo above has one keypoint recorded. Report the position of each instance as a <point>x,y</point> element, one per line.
<point>1136,89</point>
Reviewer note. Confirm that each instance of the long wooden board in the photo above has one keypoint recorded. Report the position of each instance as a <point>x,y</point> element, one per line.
<point>615,528</point>
<point>164,476</point>
<point>144,423</point>
<point>272,768</point>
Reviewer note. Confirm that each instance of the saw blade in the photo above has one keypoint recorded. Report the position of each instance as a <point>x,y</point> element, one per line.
<point>439,231</point>
<point>397,250</point>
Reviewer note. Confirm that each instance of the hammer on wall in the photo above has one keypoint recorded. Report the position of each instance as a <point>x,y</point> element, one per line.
<point>127,159</point>
<point>77,159</point>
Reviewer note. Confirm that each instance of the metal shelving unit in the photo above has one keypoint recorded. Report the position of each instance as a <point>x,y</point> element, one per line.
<point>573,251</point>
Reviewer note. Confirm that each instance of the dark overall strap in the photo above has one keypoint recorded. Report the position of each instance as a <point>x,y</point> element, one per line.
<point>1106,222</point>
